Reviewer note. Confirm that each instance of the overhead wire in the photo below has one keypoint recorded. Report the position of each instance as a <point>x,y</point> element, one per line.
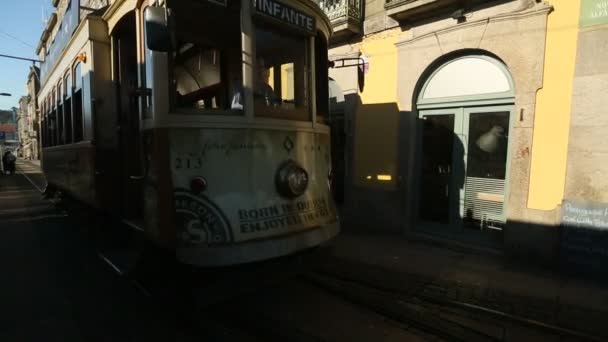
<point>16,39</point>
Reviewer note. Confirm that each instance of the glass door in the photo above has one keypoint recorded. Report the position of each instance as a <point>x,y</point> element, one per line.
<point>487,165</point>
<point>442,168</point>
<point>463,173</point>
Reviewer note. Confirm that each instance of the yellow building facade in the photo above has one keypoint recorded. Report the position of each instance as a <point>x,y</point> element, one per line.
<point>458,119</point>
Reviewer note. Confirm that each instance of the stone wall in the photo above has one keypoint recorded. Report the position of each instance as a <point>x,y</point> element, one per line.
<point>586,177</point>
<point>512,31</point>
<point>515,35</point>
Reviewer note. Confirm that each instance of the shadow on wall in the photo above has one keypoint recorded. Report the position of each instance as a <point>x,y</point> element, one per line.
<point>373,181</point>
<point>401,168</point>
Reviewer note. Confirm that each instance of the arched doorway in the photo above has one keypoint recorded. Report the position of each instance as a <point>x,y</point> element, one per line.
<point>465,112</point>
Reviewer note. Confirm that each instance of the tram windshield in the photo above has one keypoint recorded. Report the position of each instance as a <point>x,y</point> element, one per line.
<point>206,66</point>
<point>281,75</point>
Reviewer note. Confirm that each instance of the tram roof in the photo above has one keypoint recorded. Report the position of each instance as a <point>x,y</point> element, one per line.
<point>119,8</point>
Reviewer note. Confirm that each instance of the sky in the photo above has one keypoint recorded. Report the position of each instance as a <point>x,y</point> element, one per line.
<point>21,24</point>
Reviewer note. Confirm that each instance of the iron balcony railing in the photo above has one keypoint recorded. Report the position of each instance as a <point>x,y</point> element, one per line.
<point>340,11</point>
<point>398,2</point>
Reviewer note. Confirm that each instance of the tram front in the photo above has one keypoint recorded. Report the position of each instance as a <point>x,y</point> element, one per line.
<point>234,127</point>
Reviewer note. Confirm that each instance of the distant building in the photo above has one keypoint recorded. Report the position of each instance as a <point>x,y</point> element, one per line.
<point>6,116</point>
<point>8,131</point>
<point>27,135</point>
<point>8,128</point>
<point>29,120</point>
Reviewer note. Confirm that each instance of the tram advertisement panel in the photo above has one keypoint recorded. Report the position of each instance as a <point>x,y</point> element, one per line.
<point>228,184</point>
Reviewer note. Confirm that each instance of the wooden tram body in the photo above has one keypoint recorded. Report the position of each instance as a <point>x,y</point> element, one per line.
<point>218,146</point>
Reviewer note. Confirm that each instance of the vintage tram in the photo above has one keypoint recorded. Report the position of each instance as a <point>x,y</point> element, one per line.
<point>201,124</point>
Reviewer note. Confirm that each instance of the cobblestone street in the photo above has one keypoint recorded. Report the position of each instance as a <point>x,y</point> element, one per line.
<point>60,290</point>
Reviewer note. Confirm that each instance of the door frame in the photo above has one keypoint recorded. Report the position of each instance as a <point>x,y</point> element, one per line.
<point>461,111</point>
<point>129,129</point>
<point>457,112</point>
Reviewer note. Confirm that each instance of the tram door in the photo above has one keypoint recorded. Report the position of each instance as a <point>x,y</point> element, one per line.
<point>125,75</point>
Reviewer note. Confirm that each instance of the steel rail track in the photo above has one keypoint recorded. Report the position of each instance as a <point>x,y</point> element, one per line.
<point>409,295</point>
<point>408,313</point>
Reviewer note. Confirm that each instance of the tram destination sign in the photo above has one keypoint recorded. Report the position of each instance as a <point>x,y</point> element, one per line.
<point>285,14</point>
<point>584,236</point>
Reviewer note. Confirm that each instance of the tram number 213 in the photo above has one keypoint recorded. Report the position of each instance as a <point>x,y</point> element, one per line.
<point>187,162</point>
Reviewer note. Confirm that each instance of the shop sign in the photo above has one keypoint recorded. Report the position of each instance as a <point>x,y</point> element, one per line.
<point>285,14</point>
<point>593,12</point>
<point>584,235</point>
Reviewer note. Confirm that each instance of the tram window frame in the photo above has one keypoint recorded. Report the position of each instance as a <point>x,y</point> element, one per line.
<point>60,114</point>
<point>224,97</point>
<point>43,123</point>
<point>77,102</point>
<point>301,87</point>
<point>53,101</point>
<point>49,121</point>
<point>146,78</point>
<point>322,78</point>
<point>67,107</point>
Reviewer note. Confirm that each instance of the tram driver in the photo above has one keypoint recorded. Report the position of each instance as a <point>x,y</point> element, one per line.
<point>263,92</point>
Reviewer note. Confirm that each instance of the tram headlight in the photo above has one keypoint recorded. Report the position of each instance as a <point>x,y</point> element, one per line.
<point>291,179</point>
<point>198,185</point>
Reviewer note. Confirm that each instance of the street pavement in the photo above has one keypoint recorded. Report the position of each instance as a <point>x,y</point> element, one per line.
<point>54,287</point>
<point>471,278</point>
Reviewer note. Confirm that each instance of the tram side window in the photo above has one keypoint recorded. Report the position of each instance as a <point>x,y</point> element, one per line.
<point>43,132</point>
<point>282,75</point>
<point>77,104</point>
<point>52,120</point>
<point>60,118</point>
<point>67,108</point>
<point>43,124</point>
<point>46,124</point>
<point>206,66</point>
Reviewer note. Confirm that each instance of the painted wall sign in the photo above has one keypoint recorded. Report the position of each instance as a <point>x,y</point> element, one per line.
<point>584,236</point>
<point>66,29</point>
<point>593,12</point>
<point>285,14</point>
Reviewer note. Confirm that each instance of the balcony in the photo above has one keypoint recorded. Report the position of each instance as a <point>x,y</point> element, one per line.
<point>345,17</point>
<point>401,10</point>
